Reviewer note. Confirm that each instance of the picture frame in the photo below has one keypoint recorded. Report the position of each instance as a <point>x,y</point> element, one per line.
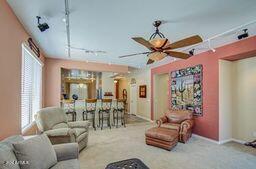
<point>186,89</point>
<point>143,91</point>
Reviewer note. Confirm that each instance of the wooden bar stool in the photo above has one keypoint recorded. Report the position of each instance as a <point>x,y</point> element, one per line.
<point>119,111</point>
<point>105,109</point>
<point>90,109</point>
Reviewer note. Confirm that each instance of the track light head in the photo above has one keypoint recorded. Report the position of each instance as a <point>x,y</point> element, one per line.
<point>191,52</point>
<point>42,27</point>
<point>243,35</point>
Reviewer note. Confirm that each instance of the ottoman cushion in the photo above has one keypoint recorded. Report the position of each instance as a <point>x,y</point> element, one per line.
<point>162,133</point>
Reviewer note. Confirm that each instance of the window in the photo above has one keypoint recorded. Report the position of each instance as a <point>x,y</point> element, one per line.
<point>31,86</point>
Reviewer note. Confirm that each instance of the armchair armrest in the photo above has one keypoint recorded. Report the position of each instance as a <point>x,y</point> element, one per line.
<point>186,125</point>
<point>66,151</point>
<point>162,120</point>
<point>79,124</point>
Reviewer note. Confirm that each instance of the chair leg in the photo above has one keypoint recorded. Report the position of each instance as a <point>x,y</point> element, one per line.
<point>93,121</point>
<point>83,115</point>
<point>114,118</point>
<point>73,116</point>
<point>109,120</point>
<point>86,116</point>
<point>117,119</point>
<point>123,118</point>
<point>101,120</point>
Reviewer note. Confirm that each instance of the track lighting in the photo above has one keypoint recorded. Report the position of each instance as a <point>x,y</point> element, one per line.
<point>243,35</point>
<point>42,27</point>
<point>191,52</point>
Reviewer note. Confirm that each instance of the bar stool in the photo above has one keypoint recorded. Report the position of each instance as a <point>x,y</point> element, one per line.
<point>69,107</point>
<point>119,109</point>
<point>105,109</point>
<point>90,109</point>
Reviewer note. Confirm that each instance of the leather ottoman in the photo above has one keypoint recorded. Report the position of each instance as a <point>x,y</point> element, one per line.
<point>162,137</point>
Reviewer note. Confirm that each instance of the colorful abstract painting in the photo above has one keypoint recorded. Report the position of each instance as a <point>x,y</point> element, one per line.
<point>186,89</point>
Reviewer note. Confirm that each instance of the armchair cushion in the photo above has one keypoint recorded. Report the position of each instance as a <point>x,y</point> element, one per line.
<point>37,151</point>
<point>173,126</point>
<point>79,124</point>
<point>177,116</point>
<point>60,132</point>
<point>66,151</point>
<point>60,125</point>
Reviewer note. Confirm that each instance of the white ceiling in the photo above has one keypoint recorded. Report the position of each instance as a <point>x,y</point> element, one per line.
<point>108,25</point>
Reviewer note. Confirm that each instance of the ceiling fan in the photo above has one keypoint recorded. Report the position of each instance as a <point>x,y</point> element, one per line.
<point>160,47</point>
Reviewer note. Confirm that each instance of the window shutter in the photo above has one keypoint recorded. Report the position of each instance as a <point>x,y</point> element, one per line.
<point>30,87</point>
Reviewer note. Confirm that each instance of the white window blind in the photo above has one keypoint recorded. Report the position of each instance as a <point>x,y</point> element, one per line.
<point>31,87</point>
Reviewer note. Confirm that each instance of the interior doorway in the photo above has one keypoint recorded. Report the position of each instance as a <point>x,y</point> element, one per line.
<point>161,94</point>
<point>133,99</point>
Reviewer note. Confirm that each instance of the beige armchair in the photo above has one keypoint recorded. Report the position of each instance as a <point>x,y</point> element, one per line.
<point>53,122</point>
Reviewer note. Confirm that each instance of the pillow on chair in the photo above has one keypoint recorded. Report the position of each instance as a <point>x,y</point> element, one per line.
<point>38,152</point>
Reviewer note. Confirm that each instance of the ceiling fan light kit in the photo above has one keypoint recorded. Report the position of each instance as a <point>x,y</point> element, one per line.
<point>160,47</point>
<point>159,42</point>
<point>156,56</point>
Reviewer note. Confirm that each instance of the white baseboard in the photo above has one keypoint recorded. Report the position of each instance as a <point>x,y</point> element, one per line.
<point>204,138</point>
<point>232,139</point>
<point>219,142</point>
<point>145,118</point>
<point>238,141</point>
<point>225,141</point>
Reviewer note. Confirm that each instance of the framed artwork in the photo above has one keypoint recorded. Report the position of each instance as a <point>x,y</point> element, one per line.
<point>143,91</point>
<point>186,89</point>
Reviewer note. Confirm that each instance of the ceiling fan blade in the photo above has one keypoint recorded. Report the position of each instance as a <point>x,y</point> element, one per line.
<point>185,42</point>
<point>150,61</point>
<point>177,54</point>
<point>144,42</point>
<point>156,56</point>
<point>134,54</point>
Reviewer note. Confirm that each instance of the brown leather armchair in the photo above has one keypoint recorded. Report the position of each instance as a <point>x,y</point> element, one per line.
<point>180,120</point>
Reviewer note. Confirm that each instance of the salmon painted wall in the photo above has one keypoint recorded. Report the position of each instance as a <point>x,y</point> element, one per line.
<point>208,124</point>
<point>53,75</point>
<point>12,35</point>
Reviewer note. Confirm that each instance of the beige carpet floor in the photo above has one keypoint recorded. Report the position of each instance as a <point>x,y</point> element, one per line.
<point>108,146</point>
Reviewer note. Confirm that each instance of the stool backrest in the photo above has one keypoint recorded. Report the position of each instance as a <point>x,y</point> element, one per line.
<point>68,105</point>
<point>90,104</point>
<point>120,103</point>
<point>106,104</point>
